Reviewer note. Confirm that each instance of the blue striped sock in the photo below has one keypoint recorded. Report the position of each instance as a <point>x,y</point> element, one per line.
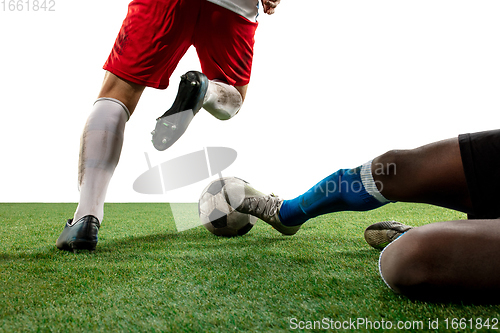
<point>344,190</point>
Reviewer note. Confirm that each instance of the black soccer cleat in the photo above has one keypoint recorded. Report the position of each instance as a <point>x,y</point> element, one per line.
<point>173,123</point>
<point>81,235</point>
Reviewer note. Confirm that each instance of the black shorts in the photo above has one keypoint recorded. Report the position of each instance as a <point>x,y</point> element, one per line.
<point>481,160</point>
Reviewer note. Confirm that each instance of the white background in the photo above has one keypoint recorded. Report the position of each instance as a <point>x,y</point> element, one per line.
<point>334,84</point>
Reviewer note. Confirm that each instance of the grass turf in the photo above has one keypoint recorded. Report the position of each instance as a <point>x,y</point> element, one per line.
<point>145,276</point>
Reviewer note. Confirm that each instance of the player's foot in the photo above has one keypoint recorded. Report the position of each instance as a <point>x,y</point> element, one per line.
<point>381,234</point>
<point>80,235</point>
<point>266,207</point>
<point>173,123</point>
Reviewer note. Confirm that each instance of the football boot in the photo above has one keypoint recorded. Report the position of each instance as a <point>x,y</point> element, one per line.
<point>79,235</point>
<point>174,122</point>
<point>266,207</point>
<point>381,234</point>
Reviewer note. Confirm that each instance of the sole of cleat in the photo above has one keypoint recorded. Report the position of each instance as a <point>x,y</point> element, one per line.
<point>174,122</point>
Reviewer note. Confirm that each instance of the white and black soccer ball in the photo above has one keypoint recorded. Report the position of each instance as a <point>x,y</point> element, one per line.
<point>217,215</point>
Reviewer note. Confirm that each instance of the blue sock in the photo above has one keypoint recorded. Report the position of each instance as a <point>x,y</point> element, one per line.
<point>344,190</point>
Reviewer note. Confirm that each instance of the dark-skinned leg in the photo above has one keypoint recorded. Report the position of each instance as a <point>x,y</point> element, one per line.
<point>454,260</point>
<point>430,174</point>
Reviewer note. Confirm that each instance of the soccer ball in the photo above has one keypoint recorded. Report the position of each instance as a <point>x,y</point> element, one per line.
<point>217,215</point>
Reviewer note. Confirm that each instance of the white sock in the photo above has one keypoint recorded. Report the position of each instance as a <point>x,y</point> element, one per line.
<point>100,149</point>
<point>222,100</point>
<point>370,184</point>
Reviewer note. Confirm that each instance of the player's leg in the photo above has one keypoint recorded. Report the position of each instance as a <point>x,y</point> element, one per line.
<point>100,149</point>
<point>224,43</point>
<point>445,260</point>
<point>446,181</point>
<point>102,141</point>
<point>346,189</point>
<point>122,90</point>
<point>138,59</point>
<point>432,174</point>
<point>220,99</point>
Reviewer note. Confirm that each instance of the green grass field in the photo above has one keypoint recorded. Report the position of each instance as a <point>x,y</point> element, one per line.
<point>145,276</point>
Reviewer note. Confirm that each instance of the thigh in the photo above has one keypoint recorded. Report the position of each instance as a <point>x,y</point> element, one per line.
<point>152,40</point>
<point>224,42</point>
<point>453,259</point>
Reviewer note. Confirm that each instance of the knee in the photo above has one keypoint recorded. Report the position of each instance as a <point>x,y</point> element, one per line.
<point>386,170</point>
<point>404,264</point>
<point>386,165</point>
<point>222,100</point>
<point>122,90</point>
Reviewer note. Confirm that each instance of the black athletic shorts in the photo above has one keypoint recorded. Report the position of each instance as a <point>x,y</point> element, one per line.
<point>481,160</point>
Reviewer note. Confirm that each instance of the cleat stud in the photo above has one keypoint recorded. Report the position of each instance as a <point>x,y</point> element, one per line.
<point>193,83</point>
<point>164,141</point>
<point>153,133</point>
<point>174,127</point>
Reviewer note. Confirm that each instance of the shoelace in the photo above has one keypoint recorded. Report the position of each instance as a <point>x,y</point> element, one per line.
<point>267,210</point>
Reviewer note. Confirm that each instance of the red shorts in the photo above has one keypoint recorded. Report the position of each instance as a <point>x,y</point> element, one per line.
<point>156,34</point>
